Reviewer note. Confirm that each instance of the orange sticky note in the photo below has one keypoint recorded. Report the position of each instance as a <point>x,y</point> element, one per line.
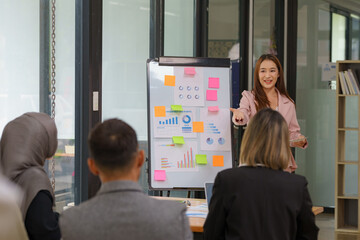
<point>169,80</point>
<point>160,111</point>
<point>198,126</point>
<point>159,175</point>
<point>211,95</point>
<point>218,161</point>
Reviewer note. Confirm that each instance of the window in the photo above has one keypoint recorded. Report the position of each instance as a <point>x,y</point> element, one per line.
<point>24,76</point>
<point>125,52</point>
<point>179,28</point>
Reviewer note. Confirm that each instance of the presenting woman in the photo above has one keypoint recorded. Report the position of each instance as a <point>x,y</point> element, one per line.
<point>26,143</point>
<point>258,200</point>
<point>269,91</point>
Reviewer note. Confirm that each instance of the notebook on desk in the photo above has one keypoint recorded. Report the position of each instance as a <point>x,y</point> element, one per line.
<point>208,191</point>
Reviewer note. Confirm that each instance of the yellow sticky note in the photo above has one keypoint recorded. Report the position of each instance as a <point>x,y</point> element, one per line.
<point>218,161</point>
<point>201,159</point>
<point>169,80</point>
<point>198,126</point>
<point>160,111</point>
<point>178,140</point>
<point>177,108</point>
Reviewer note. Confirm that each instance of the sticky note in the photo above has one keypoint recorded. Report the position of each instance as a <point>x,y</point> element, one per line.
<point>214,82</point>
<point>178,140</point>
<point>189,71</point>
<point>159,175</point>
<point>198,126</point>
<point>169,80</point>
<point>218,161</point>
<point>200,159</point>
<point>213,108</point>
<point>211,95</point>
<point>177,108</point>
<point>160,111</point>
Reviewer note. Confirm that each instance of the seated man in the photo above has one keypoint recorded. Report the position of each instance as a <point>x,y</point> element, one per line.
<point>121,210</point>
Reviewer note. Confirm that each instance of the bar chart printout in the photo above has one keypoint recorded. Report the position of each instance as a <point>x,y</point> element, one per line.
<point>176,158</point>
<point>174,124</point>
<point>188,161</point>
<point>169,121</point>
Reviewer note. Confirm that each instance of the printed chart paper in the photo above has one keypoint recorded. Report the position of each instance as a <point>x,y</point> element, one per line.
<point>174,124</point>
<point>176,158</point>
<point>217,134</point>
<point>189,89</point>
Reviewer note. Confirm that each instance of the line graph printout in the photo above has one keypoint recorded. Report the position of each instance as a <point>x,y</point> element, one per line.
<point>176,158</point>
<point>217,132</point>
<point>174,124</point>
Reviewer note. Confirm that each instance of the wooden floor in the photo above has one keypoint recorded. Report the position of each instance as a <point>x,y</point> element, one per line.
<point>325,221</point>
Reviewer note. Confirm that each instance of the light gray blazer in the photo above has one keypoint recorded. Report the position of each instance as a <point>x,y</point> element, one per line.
<point>121,210</point>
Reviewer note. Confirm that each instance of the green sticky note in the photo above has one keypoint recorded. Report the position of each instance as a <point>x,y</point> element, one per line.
<point>177,108</point>
<point>200,159</point>
<point>178,140</point>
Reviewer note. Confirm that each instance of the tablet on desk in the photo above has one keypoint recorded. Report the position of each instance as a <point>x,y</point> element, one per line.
<point>208,191</point>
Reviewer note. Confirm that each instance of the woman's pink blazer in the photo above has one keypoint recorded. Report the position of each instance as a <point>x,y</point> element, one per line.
<point>285,107</point>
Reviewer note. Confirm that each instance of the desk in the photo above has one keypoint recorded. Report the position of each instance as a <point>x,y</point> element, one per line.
<point>197,223</point>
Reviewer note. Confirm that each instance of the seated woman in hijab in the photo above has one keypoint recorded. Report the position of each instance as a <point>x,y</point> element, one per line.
<point>26,143</point>
<point>259,200</point>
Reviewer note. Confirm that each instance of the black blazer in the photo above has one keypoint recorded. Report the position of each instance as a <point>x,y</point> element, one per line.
<point>260,203</point>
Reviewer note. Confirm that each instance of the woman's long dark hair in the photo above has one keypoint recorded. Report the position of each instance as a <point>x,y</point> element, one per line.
<point>261,100</point>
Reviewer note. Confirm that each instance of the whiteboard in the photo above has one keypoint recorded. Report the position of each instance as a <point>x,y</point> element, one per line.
<point>201,86</point>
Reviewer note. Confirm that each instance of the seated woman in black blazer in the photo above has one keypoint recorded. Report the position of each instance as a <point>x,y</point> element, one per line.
<point>259,200</point>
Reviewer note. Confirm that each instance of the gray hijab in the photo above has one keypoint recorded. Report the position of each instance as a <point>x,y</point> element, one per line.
<point>25,144</point>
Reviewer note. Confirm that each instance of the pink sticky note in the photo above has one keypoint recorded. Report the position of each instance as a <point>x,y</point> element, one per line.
<point>213,109</point>
<point>189,71</point>
<point>211,95</point>
<point>159,175</point>
<point>214,82</point>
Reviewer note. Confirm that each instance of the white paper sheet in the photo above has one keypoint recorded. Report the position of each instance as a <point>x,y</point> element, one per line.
<point>189,89</point>
<point>174,124</point>
<point>176,158</point>
<point>217,134</point>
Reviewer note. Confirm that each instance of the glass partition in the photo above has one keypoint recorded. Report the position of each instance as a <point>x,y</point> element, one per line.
<point>21,81</point>
<point>65,103</point>
<point>223,32</point>
<point>338,37</point>
<point>179,28</point>
<point>125,52</point>
<point>355,39</point>
<point>19,59</point>
<point>126,31</point>
<point>315,102</point>
<point>321,39</point>
<point>264,28</point>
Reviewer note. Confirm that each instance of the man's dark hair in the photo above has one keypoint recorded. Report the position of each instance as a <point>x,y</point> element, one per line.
<point>113,144</point>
